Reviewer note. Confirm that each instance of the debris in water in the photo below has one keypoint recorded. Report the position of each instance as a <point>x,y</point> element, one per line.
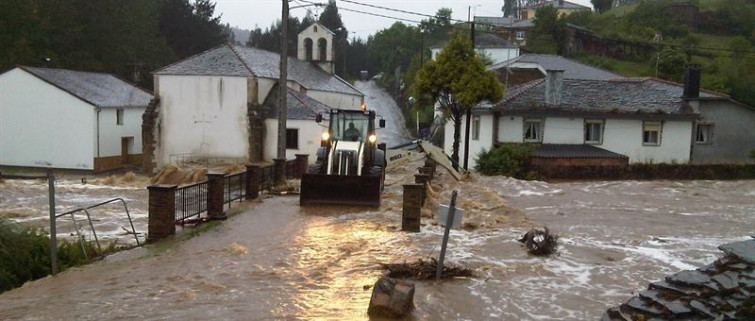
<point>540,242</point>
<point>425,269</point>
<point>237,249</point>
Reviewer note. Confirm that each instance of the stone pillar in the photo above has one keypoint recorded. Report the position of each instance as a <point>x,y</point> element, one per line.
<point>215,191</point>
<point>162,212</point>
<point>253,178</point>
<point>302,163</point>
<point>410,216</point>
<point>423,179</point>
<point>279,171</point>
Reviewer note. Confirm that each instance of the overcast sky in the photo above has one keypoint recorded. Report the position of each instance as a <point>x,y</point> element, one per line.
<point>247,14</point>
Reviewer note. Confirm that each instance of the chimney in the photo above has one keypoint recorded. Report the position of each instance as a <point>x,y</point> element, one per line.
<point>692,81</point>
<point>554,83</point>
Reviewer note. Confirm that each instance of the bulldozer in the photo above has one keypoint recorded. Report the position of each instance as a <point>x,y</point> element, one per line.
<point>350,165</point>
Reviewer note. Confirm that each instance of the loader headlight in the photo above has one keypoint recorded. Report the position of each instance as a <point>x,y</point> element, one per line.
<point>325,136</point>
<point>372,138</point>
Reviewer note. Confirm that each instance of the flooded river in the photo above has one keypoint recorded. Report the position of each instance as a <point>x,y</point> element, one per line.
<point>277,261</point>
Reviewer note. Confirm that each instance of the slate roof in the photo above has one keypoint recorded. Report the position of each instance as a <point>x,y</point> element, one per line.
<point>98,89</point>
<point>628,96</point>
<point>232,60</point>
<point>573,151</point>
<point>300,106</point>
<point>572,69</point>
<point>485,41</point>
<point>558,4</point>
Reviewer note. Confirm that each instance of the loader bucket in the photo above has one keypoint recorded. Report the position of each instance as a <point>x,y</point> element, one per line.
<point>340,189</point>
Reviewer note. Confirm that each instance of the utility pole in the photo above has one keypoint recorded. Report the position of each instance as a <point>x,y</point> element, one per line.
<point>280,160</point>
<point>468,116</point>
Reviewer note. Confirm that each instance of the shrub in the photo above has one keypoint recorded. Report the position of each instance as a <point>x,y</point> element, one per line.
<point>25,254</point>
<point>507,159</point>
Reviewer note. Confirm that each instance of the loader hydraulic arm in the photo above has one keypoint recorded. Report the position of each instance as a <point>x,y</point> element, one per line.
<point>419,149</point>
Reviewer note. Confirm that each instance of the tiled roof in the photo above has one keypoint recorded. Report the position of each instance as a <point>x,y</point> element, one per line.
<point>573,151</point>
<point>504,22</point>
<point>622,96</point>
<point>103,90</point>
<point>558,4</point>
<point>300,106</point>
<point>572,69</point>
<point>231,60</point>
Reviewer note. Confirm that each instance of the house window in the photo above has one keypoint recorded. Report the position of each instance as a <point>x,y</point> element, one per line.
<point>651,133</point>
<point>703,133</point>
<point>476,128</point>
<point>533,130</point>
<point>594,131</point>
<point>119,116</point>
<point>520,35</point>
<point>292,138</point>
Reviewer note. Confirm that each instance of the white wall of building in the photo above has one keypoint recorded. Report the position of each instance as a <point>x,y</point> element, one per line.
<point>44,126</point>
<point>207,117</point>
<point>485,140</point>
<point>111,133</point>
<point>624,136</point>
<point>309,139</point>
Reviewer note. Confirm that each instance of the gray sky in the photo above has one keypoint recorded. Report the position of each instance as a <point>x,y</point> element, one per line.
<point>247,14</point>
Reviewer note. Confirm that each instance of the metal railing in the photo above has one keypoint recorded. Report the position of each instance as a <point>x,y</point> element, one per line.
<point>191,200</point>
<point>234,188</point>
<point>91,225</point>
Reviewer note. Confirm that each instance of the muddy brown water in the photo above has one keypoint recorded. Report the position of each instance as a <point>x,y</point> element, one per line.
<point>277,261</point>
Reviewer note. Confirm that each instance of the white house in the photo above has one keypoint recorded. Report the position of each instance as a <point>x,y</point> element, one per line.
<point>56,118</point>
<point>645,119</point>
<point>488,45</point>
<point>212,105</point>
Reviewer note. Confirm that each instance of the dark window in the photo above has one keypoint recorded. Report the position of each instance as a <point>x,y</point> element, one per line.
<point>119,116</point>
<point>308,49</point>
<point>476,128</point>
<point>651,133</point>
<point>292,138</point>
<point>703,133</point>
<point>593,131</point>
<point>322,45</point>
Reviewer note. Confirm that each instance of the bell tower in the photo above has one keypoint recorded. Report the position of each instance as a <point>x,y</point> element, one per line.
<point>316,45</point>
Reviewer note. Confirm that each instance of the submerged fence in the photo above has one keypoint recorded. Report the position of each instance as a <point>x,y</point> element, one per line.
<point>170,205</point>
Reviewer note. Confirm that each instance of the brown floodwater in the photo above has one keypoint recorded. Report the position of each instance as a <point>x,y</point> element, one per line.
<point>277,261</point>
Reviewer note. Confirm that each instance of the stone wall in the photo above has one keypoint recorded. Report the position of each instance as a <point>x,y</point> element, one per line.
<point>149,136</point>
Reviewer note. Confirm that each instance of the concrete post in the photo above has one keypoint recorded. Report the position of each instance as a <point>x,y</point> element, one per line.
<point>302,163</point>
<point>429,171</point>
<point>253,177</point>
<point>162,212</point>
<point>279,171</point>
<point>215,191</point>
<point>412,206</point>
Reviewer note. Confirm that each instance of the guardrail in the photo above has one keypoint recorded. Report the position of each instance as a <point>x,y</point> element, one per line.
<point>191,201</point>
<point>234,187</point>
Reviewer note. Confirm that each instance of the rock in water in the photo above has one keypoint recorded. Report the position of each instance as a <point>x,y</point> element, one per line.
<point>391,298</point>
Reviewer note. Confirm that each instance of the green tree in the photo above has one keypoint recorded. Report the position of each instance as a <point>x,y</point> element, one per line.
<point>191,28</point>
<point>669,63</point>
<point>549,30</point>
<point>458,81</point>
<point>331,19</point>
<point>270,38</point>
<point>602,5</point>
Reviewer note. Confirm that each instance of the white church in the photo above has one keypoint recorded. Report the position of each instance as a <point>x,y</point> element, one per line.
<point>221,104</point>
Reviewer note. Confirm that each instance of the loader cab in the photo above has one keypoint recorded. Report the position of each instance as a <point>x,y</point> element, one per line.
<point>352,125</point>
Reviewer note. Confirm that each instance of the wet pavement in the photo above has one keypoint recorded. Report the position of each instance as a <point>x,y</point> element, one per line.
<point>395,132</point>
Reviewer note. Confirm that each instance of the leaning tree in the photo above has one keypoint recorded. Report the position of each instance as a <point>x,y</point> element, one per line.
<point>457,81</point>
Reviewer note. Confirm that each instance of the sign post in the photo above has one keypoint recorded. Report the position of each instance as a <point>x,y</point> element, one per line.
<point>449,223</point>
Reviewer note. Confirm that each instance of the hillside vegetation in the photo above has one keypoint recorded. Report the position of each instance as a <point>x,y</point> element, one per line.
<point>658,38</point>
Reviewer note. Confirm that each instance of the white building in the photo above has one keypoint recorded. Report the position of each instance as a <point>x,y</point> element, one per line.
<point>496,48</point>
<point>213,105</point>
<point>66,119</point>
<point>644,119</point>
